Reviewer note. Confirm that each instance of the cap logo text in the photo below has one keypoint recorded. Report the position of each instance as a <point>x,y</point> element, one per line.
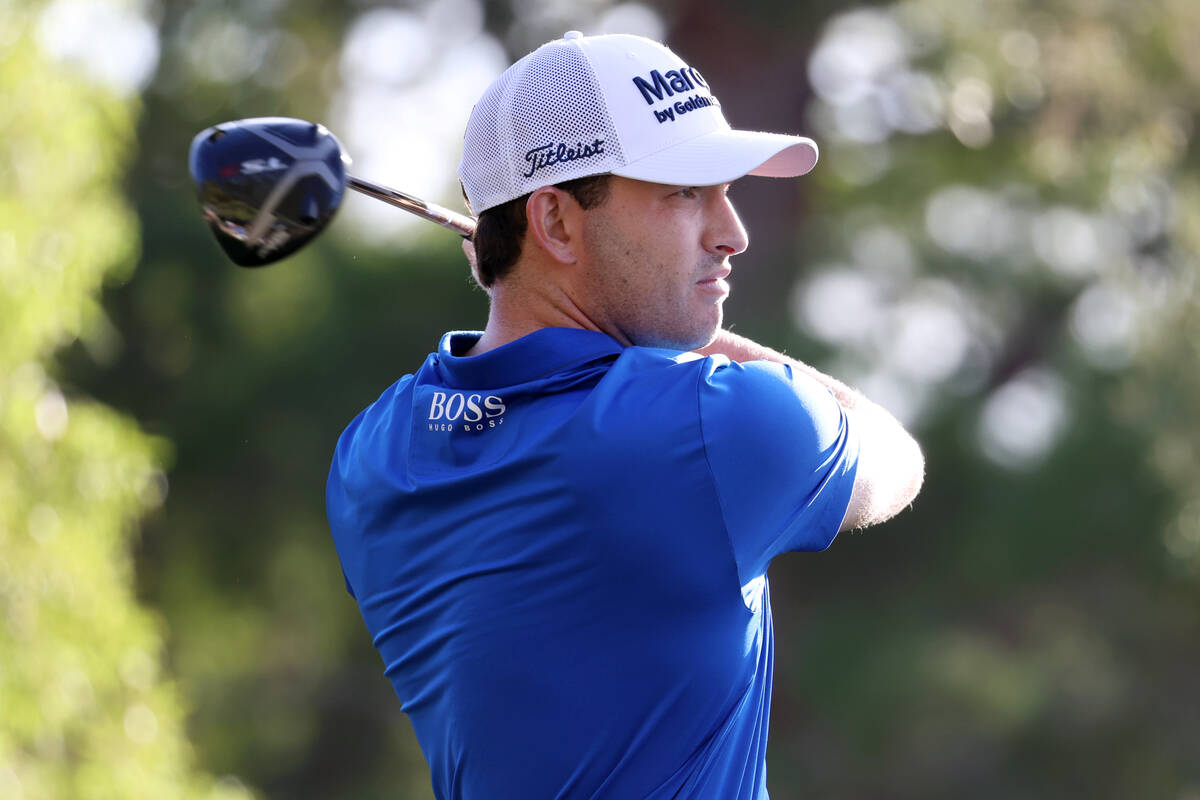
<point>550,154</point>
<point>682,107</point>
<point>660,85</point>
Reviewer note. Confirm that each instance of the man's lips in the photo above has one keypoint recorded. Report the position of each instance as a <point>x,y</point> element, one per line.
<point>716,283</point>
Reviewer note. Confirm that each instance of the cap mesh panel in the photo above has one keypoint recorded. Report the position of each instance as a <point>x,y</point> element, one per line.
<point>524,128</point>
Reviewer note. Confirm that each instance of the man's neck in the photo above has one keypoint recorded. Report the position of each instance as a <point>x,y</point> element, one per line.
<point>518,310</point>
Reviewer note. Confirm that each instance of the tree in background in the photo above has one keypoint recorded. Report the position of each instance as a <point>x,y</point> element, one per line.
<point>1021,180</point>
<point>86,708</point>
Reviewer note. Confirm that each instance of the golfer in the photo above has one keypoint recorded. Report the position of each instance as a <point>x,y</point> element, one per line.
<point>558,530</point>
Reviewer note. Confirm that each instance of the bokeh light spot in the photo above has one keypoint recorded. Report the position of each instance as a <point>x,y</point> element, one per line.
<point>1023,419</point>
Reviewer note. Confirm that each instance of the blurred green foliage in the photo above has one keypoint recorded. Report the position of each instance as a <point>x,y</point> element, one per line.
<point>1001,239</point>
<point>87,709</point>
<point>1020,177</point>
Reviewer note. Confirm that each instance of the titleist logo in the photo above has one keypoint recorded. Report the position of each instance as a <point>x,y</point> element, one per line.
<point>550,154</point>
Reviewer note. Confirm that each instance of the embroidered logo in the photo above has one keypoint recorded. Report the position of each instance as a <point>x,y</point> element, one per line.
<point>450,411</point>
<point>659,86</point>
<point>682,107</point>
<point>550,154</point>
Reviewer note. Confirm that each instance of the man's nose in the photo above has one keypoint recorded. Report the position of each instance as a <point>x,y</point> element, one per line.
<point>725,234</point>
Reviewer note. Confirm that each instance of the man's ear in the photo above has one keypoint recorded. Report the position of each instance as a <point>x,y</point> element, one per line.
<point>468,247</point>
<point>552,222</point>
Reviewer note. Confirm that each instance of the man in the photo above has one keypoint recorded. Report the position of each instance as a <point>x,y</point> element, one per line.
<point>558,530</point>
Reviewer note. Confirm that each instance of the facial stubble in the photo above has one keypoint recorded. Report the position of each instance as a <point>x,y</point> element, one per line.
<point>639,295</point>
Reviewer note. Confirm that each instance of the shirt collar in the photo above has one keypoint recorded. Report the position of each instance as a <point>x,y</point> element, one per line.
<point>535,355</point>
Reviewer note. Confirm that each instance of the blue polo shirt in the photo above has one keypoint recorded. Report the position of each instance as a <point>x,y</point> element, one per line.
<point>560,546</point>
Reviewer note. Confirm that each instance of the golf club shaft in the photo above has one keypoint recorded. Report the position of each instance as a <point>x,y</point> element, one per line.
<point>463,225</point>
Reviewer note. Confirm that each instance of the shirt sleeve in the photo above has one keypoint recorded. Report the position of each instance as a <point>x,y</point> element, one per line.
<point>783,456</point>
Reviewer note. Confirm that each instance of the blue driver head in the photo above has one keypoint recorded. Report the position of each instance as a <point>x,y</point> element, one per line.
<point>267,185</point>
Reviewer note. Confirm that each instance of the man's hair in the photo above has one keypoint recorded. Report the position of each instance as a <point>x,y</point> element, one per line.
<point>500,230</point>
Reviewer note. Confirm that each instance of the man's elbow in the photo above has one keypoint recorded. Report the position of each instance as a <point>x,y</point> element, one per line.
<point>914,472</point>
<point>888,480</point>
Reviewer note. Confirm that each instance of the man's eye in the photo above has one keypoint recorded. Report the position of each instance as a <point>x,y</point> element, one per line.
<point>689,192</point>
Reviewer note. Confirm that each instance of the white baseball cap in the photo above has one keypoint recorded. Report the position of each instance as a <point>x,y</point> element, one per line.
<point>585,105</point>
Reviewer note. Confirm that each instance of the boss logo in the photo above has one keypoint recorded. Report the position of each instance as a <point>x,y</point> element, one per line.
<point>470,412</point>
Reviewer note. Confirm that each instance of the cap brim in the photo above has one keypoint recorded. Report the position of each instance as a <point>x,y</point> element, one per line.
<point>725,155</point>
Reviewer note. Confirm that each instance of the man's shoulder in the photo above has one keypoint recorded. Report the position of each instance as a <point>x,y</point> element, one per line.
<point>650,359</point>
<point>765,383</point>
<point>382,410</point>
<point>748,384</point>
<point>769,408</point>
<point>656,374</point>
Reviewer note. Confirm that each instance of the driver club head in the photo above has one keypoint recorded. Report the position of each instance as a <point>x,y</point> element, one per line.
<point>267,185</point>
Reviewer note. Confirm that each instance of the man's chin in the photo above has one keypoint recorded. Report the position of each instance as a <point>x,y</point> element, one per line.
<point>689,340</point>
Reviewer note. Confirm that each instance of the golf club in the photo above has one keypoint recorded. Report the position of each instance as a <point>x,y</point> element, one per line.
<point>268,185</point>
